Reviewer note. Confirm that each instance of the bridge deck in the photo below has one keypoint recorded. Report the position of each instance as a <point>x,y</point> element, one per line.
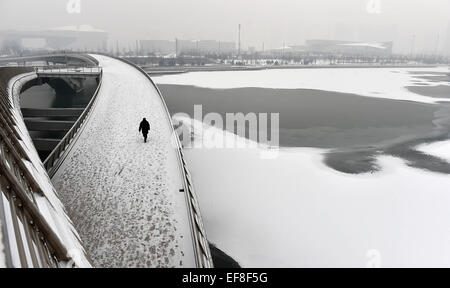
<point>122,194</point>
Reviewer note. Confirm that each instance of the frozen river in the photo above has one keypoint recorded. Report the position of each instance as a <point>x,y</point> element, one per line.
<point>297,209</point>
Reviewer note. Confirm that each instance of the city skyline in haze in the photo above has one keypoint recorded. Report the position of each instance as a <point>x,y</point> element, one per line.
<point>418,26</point>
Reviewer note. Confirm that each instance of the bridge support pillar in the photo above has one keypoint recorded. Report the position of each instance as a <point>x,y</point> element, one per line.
<point>60,83</point>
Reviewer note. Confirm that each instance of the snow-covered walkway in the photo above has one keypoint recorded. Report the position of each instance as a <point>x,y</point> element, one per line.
<point>122,194</point>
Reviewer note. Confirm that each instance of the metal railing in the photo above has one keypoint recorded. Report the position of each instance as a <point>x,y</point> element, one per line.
<point>68,70</point>
<point>61,56</point>
<point>201,246</point>
<point>52,159</point>
<point>30,240</point>
<point>48,249</point>
<point>202,251</point>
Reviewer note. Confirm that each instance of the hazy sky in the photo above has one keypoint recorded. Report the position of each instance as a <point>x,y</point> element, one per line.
<point>270,21</point>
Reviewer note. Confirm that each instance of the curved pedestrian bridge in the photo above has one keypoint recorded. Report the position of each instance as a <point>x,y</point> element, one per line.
<point>131,203</point>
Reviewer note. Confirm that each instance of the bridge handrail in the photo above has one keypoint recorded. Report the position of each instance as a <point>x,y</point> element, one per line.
<point>62,54</point>
<point>52,159</point>
<point>201,246</point>
<point>30,240</point>
<point>68,69</point>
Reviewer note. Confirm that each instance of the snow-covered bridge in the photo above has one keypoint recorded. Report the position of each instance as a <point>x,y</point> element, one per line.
<point>132,203</point>
<point>128,199</point>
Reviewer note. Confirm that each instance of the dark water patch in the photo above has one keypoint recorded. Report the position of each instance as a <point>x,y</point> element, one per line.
<point>363,161</point>
<point>221,259</point>
<point>311,118</point>
<point>418,159</point>
<point>439,91</point>
<point>44,96</point>
<point>357,129</point>
<point>353,162</point>
<point>432,76</point>
<point>350,138</point>
<point>427,73</point>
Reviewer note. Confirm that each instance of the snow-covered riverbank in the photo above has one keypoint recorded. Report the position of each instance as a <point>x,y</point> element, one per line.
<point>379,82</point>
<point>293,210</point>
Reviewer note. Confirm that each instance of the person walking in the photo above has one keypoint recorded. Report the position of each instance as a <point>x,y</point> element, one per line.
<point>144,127</point>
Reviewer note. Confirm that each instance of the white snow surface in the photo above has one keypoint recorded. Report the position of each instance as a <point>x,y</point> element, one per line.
<point>123,194</point>
<point>439,149</point>
<point>370,82</point>
<point>378,45</point>
<point>81,28</point>
<point>294,211</point>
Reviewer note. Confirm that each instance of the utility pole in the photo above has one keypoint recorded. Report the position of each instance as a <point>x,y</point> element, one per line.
<point>176,47</point>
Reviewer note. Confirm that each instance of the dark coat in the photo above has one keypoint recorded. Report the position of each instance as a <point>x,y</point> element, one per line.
<point>144,126</point>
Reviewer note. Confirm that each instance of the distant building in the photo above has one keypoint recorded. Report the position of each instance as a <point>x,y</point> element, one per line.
<point>287,50</point>
<point>190,47</point>
<point>348,47</point>
<point>227,47</point>
<point>157,46</point>
<point>206,47</point>
<point>75,38</point>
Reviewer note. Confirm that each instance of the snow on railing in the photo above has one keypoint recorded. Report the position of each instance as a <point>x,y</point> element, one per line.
<point>37,232</point>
